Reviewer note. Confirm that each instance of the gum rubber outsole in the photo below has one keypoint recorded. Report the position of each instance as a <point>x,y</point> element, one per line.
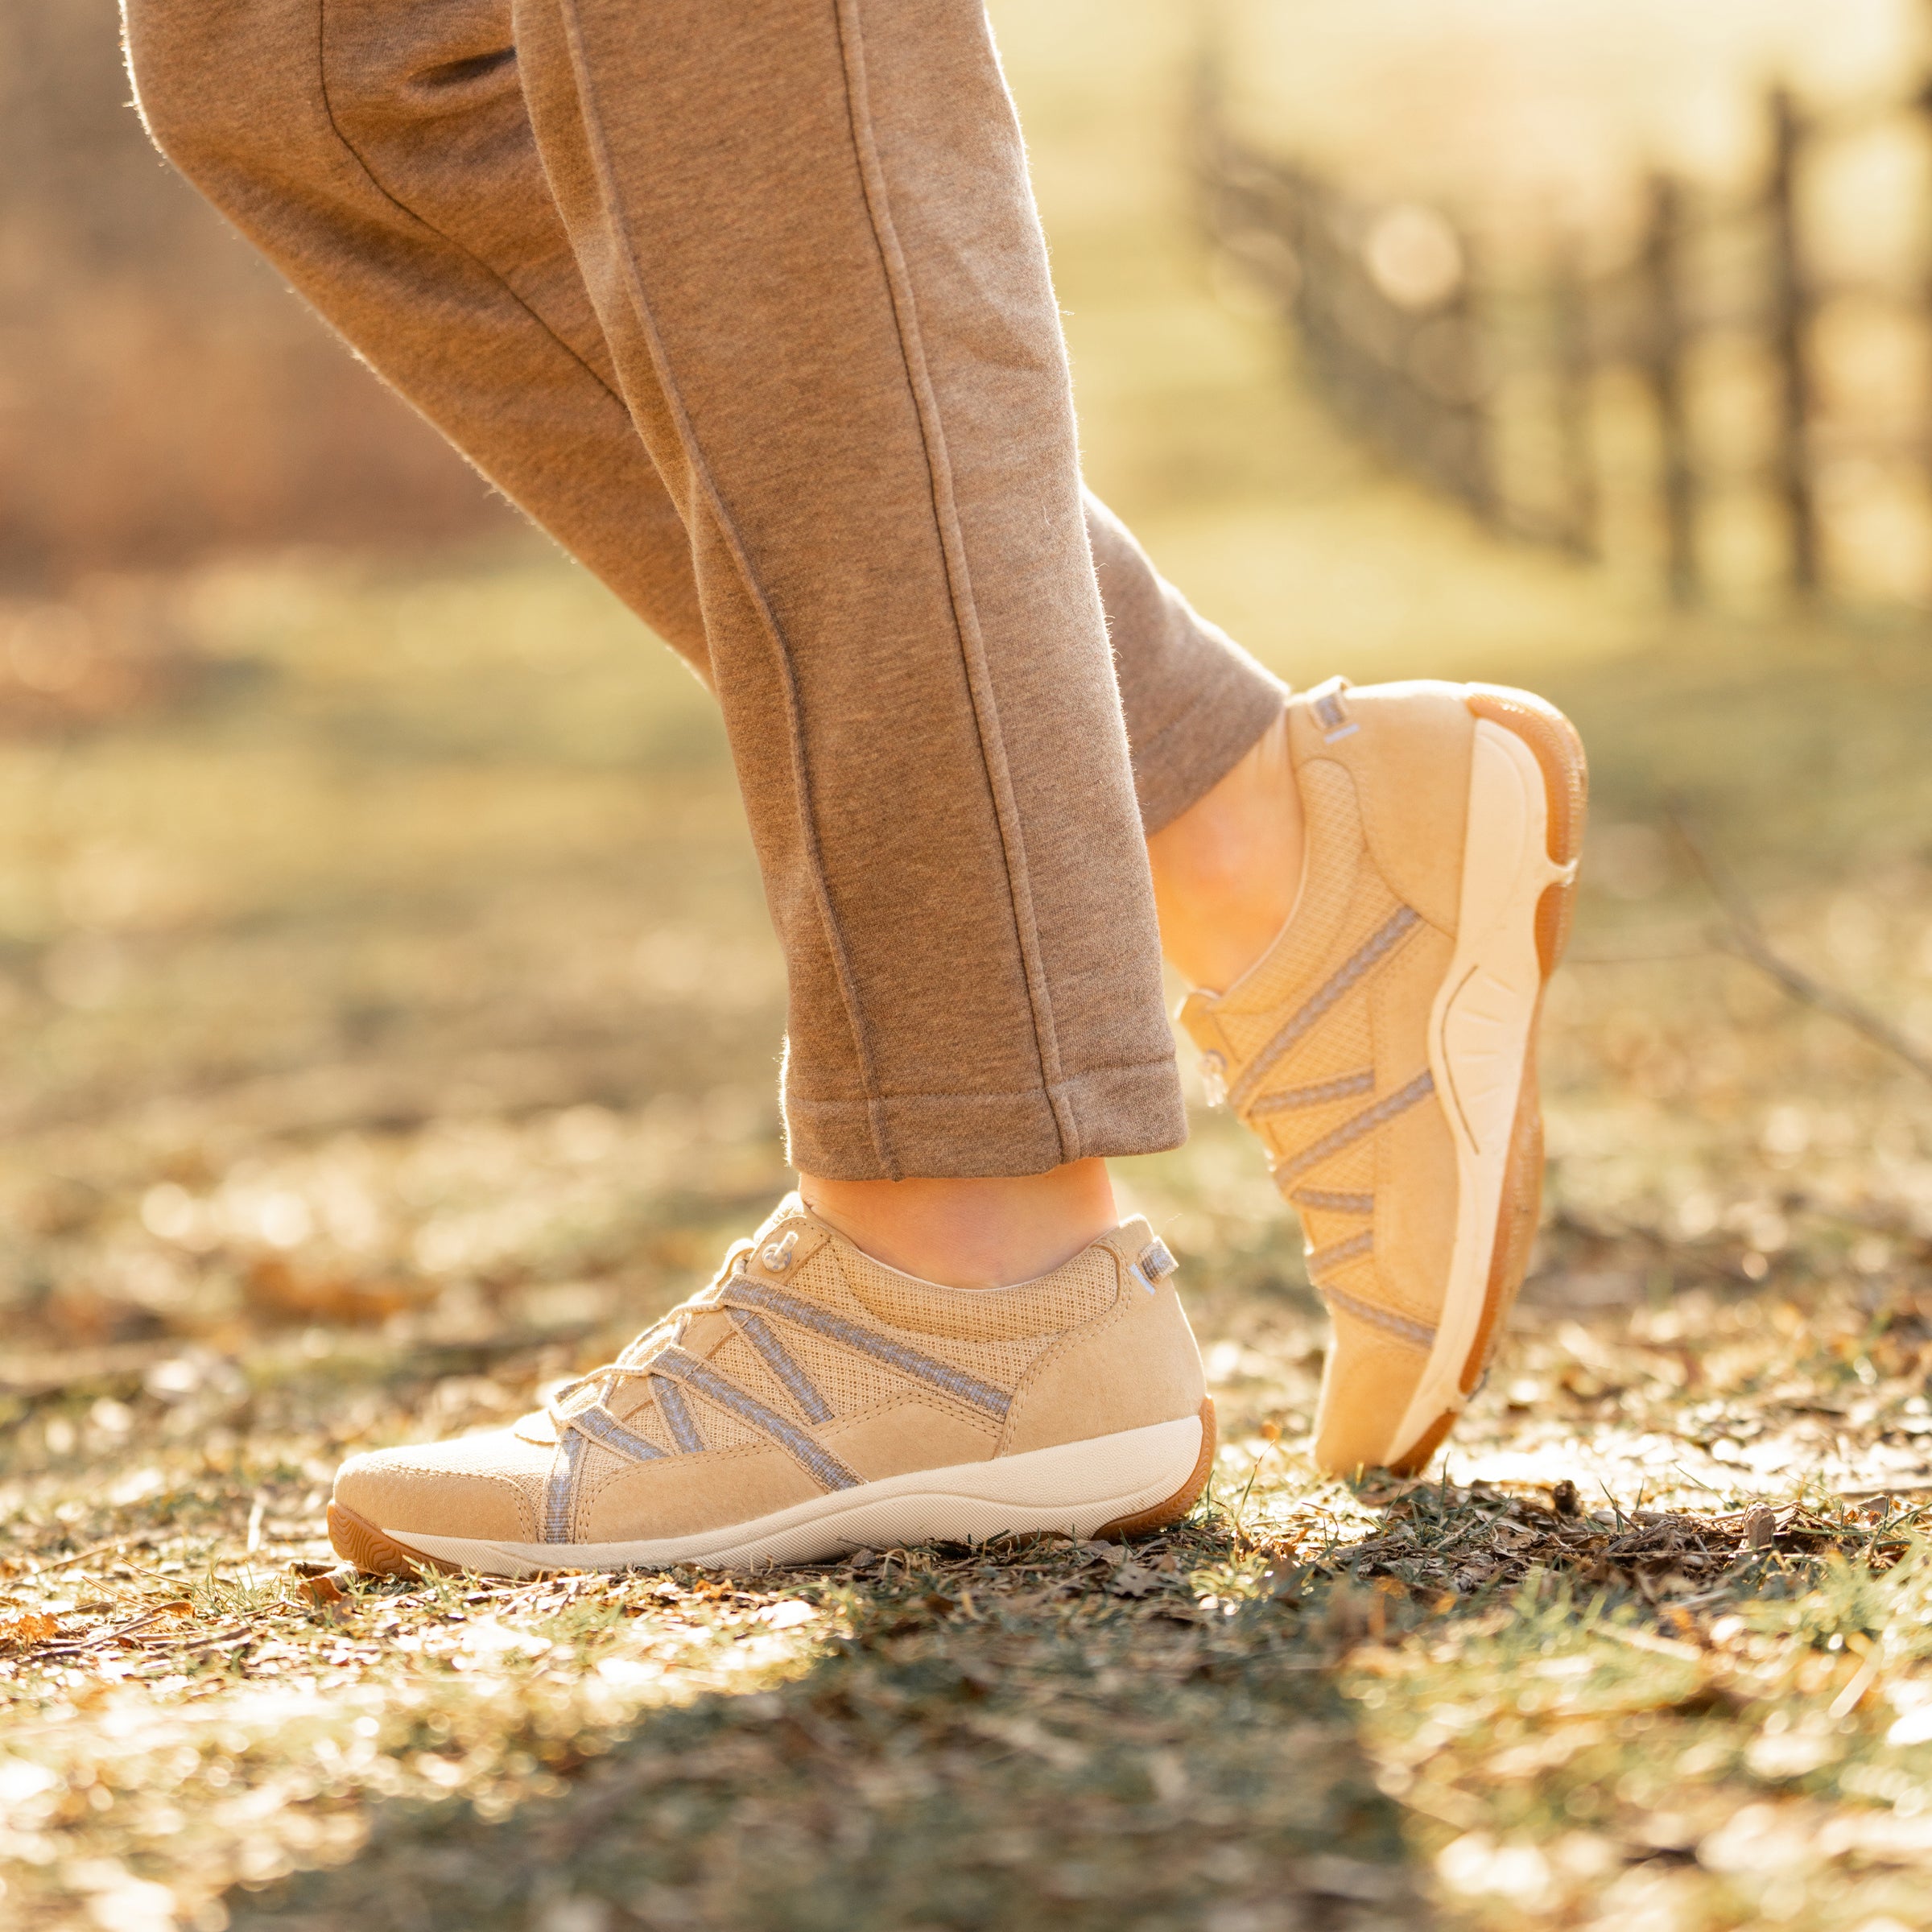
<point>1560,753</point>
<point>358,1540</point>
<point>375,1554</point>
<point>1159,1516</point>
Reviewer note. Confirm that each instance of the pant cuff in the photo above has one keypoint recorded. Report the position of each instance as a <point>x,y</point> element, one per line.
<point>1191,754</point>
<point>1113,1110</point>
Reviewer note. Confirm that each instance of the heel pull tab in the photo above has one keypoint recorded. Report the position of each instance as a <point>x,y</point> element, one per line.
<point>1154,1263</point>
<point>1332,711</point>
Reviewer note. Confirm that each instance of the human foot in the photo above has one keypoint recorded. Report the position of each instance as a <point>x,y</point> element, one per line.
<point>812,1400</point>
<point>1384,1046</point>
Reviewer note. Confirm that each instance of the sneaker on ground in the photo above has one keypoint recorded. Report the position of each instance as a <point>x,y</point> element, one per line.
<point>811,1402</point>
<point>1384,1047</point>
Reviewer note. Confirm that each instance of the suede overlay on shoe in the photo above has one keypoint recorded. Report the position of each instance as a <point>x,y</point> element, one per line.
<point>794,1406</point>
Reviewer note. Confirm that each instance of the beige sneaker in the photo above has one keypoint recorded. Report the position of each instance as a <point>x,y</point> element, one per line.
<point>1384,1047</point>
<point>811,1402</point>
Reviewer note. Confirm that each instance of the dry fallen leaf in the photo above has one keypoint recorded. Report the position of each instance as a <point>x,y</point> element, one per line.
<point>30,1626</point>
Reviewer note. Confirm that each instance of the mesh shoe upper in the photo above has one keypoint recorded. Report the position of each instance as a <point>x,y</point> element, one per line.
<point>805,1366</point>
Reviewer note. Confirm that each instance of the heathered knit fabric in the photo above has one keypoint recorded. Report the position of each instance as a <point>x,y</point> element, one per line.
<point>748,304</point>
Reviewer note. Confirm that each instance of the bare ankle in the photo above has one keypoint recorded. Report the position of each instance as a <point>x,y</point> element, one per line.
<point>981,1233</point>
<point>1227,871</point>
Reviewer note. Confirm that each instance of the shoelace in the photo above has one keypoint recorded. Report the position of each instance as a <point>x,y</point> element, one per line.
<point>636,1356</point>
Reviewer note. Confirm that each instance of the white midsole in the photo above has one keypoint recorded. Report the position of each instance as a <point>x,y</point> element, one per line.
<point>1479,1038</point>
<point>1075,1487</point>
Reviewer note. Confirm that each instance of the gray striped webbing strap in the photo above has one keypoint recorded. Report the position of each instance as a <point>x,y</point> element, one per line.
<point>743,1293</point>
<point>818,1462</point>
<point>560,1486</point>
<point>779,1359</point>
<point>1352,1130</point>
<point>600,1426</point>
<point>1337,1254</point>
<point>1372,951</point>
<point>1418,1335</point>
<point>676,1413</point>
<point>1323,1094</point>
<point>1333,1200</point>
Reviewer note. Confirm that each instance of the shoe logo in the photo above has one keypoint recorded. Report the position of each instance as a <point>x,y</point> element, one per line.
<point>1331,712</point>
<point>1155,1263</point>
<point>777,1255</point>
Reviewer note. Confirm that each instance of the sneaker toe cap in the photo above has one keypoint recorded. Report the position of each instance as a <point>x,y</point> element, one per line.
<point>1371,1376</point>
<point>488,1486</point>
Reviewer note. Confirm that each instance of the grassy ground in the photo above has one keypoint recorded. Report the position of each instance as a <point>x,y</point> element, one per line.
<point>391,1026</point>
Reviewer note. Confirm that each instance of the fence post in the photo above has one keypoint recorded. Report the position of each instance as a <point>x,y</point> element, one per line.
<point>1474,458</point>
<point>1790,322</point>
<point>1664,369</point>
<point>1576,360</point>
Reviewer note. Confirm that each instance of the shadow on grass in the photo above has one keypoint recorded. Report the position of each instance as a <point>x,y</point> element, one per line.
<point>1078,1738</point>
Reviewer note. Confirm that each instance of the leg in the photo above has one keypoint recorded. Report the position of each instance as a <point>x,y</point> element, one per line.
<point>394,175</point>
<point>1218,814</point>
<point>898,594</point>
<point>850,380</point>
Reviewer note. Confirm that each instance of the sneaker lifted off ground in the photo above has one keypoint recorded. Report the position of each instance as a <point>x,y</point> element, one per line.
<point>1384,1047</point>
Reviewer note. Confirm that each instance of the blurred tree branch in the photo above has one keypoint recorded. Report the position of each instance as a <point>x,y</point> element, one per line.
<point>1742,935</point>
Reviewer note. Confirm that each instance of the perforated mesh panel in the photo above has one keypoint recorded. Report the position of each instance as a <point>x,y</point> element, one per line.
<point>847,1380</point>
<point>1321,1228</point>
<point>720,1427</point>
<point>1374,927</point>
<point>738,1362</point>
<point>1335,856</point>
<point>1355,1167</point>
<point>631,1404</point>
<point>1085,1287</point>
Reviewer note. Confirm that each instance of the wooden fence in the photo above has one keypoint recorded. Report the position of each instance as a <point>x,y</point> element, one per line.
<point>1455,372</point>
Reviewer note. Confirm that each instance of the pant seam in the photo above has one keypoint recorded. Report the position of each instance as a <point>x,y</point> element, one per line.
<point>442,234</point>
<point>979,683</point>
<point>775,635</point>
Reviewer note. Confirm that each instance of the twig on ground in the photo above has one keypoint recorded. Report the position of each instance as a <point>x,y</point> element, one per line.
<point>137,1542</point>
<point>1744,937</point>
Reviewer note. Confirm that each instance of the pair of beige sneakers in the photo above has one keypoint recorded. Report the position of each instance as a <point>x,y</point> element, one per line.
<point>811,1401</point>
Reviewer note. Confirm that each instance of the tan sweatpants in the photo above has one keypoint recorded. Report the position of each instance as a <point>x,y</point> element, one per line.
<point>746,303</point>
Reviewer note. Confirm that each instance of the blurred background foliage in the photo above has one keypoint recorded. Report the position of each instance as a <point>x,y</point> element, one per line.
<point>162,398</point>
